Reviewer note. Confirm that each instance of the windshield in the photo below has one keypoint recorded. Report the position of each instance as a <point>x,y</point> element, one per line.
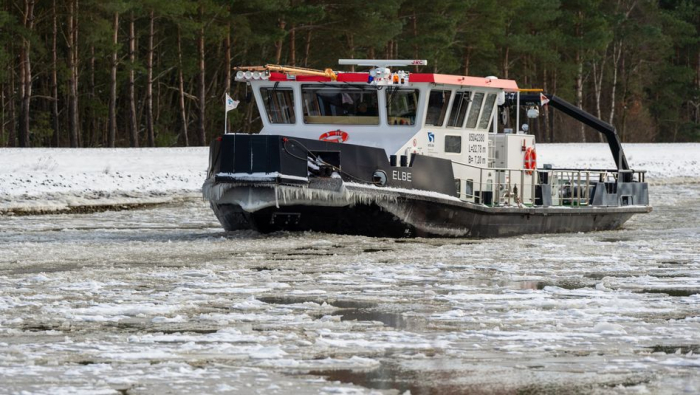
<point>459,109</point>
<point>279,104</point>
<point>402,104</point>
<point>437,107</point>
<point>347,104</point>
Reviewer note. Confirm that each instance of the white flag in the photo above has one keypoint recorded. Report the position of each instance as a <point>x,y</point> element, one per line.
<point>230,103</point>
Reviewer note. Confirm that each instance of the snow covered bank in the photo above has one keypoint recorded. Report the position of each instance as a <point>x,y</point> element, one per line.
<point>45,179</point>
<point>664,163</point>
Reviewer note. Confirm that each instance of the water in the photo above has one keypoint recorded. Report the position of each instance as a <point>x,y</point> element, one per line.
<point>161,299</point>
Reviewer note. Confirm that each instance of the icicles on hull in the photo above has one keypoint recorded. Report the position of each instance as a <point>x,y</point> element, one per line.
<point>329,193</point>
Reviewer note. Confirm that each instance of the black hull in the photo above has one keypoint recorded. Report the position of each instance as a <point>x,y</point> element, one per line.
<point>273,183</point>
<point>422,217</point>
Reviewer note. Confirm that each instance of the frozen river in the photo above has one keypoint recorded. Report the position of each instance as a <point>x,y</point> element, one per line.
<point>160,299</point>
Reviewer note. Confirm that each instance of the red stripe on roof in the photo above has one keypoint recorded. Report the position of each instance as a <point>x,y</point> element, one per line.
<point>353,77</point>
<point>342,77</point>
<point>508,85</point>
<point>274,76</point>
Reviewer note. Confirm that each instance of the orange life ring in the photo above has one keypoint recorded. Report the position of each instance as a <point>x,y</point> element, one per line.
<point>530,159</point>
<point>334,136</point>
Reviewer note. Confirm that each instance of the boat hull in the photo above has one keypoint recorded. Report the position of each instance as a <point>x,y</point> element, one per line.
<point>399,214</point>
<point>274,183</point>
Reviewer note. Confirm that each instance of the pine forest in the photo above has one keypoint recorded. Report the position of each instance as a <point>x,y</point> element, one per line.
<point>154,73</point>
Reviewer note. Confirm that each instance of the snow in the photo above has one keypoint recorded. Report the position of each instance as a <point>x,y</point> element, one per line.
<point>55,179</point>
<point>664,163</point>
<point>42,179</point>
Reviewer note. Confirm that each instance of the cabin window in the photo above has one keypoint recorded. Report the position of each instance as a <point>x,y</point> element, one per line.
<point>402,105</point>
<point>279,104</point>
<point>346,104</point>
<point>474,111</point>
<point>488,110</point>
<point>437,107</point>
<point>469,188</point>
<point>459,109</point>
<point>453,144</point>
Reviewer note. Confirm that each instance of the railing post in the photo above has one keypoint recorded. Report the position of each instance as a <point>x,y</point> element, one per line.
<point>578,188</point>
<point>481,186</point>
<point>510,180</point>
<point>535,178</point>
<point>522,187</point>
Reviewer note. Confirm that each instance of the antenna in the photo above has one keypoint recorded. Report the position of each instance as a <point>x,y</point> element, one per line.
<point>382,62</point>
<point>380,73</point>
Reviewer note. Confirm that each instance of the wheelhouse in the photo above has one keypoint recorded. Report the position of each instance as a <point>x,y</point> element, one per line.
<point>451,117</point>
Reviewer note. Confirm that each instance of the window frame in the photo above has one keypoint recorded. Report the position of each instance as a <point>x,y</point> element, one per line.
<point>471,105</point>
<point>358,87</point>
<point>417,91</point>
<point>469,187</point>
<point>466,111</point>
<point>447,107</point>
<point>483,112</point>
<point>446,136</point>
<point>292,114</point>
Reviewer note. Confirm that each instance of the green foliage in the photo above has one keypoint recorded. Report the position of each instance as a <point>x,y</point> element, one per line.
<point>650,50</point>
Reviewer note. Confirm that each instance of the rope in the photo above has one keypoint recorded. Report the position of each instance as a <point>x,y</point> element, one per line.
<point>285,140</point>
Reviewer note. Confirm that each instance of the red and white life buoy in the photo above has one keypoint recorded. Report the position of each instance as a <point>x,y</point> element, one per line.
<point>334,136</point>
<point>530,159</point>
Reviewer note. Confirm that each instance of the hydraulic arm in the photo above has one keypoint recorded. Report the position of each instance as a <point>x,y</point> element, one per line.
<point>582,116</point>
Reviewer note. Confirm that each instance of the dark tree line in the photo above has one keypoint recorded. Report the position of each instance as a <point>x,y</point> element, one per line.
<point>106,73</point>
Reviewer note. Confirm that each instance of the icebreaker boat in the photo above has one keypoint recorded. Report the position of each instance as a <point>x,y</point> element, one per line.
<point>399,154</point>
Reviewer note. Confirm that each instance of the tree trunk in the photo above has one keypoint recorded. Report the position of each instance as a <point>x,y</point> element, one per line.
<point>181,88</point>
<point>414,20</point>
<point>133,128</point>
<point>506,65</point>
<point>279,44</point>
<point>227,55</point>
<point>2,115</point>
<point>598,86</point>
<point>93,124</point>
<point>625,92</point>
<point>73,78</point>
<point>112,133</point>
<point>54,80</point>
<point>227,83</point>
<point>11,108</point>
<point>76,71</point>
<point>351,47</point>
<point>554,116</point>
<point>467,59</point>
<point>22,94</point>
<point>149,82</point>
<point>579,90</point>
<point>617,53</point>
<point>292,46</point>
<point>547,131</point>
<point>307,48</point>
<point>201,133</point>
<point>26,68</point>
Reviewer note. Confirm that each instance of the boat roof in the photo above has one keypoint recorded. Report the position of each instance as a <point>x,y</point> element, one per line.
<point>484,82</point>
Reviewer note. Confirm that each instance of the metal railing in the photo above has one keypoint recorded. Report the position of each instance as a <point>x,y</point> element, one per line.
<point>519,187</point>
